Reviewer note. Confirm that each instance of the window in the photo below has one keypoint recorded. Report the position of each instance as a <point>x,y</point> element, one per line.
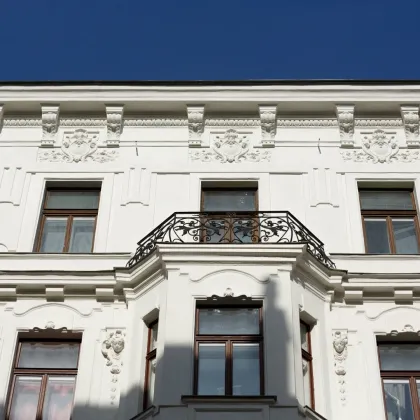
<point>149,381</point>
<point>308,379</point>
<point>68,221</point>
<point>400,373</point>
<point>44,379</point>
<point>228,351</point>
<point>228,218</point>
<point>390,221</point>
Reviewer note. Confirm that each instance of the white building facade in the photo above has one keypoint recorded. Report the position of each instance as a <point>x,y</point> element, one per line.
<point>210,250</point>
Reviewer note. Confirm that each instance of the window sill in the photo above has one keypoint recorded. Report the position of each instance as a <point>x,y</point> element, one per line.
<point>311,414</point>
<point>228,399</point>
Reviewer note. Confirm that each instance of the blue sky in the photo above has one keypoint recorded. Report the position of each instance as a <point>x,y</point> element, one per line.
<point>209,40</point>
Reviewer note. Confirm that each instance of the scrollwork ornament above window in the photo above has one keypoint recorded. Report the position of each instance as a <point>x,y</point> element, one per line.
<point>78,146</point>
<point>230,147</point>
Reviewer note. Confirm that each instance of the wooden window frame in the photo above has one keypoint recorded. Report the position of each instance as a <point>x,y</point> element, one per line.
<point>227,214</point>
<point>150,357</point>
<point>389,215</point>
<point>410,375</point>
<point>307,356</point>
<point>70,214</point>
<point>41,372</point>
<point>229,340</point>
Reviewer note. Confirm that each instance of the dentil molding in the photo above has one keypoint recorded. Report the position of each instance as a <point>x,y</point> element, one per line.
<point>268,123</point>
<point>380,147</point>
<point>410,118</point>
<point>78,146</point>
<point>112,350</point>
<point>345,118</point>
<point>50,121</point>
<point>114,124</point>
<point>195,124</point>
<point>230,147</point>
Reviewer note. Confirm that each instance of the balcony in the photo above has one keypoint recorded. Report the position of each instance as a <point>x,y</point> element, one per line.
<point>233,228</point>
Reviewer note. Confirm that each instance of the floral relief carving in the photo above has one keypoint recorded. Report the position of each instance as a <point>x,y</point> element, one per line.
<point>195,124</point>
<point>345,117</point>
<point>231,147</point>
<point>410,118</point>
<point>380,147</point>
<point>112,349</point>
<point>78,146</point>
<point>340,342</point>
<point>268,122</point>
<point>114,124</point>
<point>50,118</point>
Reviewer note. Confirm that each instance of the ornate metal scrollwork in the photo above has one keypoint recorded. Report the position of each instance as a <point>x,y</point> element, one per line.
<point>236,228</point>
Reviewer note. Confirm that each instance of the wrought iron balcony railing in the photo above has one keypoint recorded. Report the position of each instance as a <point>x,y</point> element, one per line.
<point>236,228</point>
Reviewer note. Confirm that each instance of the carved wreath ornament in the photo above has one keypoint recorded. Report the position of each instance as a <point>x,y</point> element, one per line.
<point>231,147</point>
<point>380,147</point>
<point>78,146</point>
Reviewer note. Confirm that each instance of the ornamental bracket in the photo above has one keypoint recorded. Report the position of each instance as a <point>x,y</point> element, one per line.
<point>195,124</point>
<point>114,124</point>
<point>268,122</point>
<point>50,122</point>
<point>345,118</point>
<point>410,118</point>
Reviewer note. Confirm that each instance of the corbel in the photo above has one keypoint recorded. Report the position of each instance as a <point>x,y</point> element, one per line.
<point>410,118</point>
<point>50,122</point>
<point>114,124</point>
<point>268,123</point>
<point>195,124</point>
<point>345,118</point>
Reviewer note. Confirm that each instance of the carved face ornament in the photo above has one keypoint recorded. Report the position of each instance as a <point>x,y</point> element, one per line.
<point>231,146</point>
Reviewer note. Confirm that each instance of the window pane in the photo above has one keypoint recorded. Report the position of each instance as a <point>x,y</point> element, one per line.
<point>211,369</point>
<point>25,398</point>
<point>398,400</point>
<point>151,382</point>
<point>229,200</point>
<point>377,236</point>
<point>246,369</point>
<point>306,367</point>
<point>154,336</point>
<point>72,200</point>
<point>229,321</point>
<point>399,356</point>
<point>405,236</point>
<point>58,401</point>
<point>53,234</point>
<point>49,355</point>
<point>82,231</point>
<point>386,200</point>
<point>304,337</point>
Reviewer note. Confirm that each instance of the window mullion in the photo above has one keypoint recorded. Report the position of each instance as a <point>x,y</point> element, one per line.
<point>414,397</point>
<point>42,396</point>
<point>391,235</point>
<point>68,233</point>
<point>229,366</point>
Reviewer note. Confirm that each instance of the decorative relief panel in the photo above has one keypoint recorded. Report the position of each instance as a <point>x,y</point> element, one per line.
<point>195,125</point>
<point>78,146</point>
<point>340,342</point>
<point>114,124</point>
<point>112,350</point>
<point>380,147</point>
<point>410,118</point>
<point>230,147</point>
<point>268,122</point>
<point>50,120</point>
<point>345,117</point>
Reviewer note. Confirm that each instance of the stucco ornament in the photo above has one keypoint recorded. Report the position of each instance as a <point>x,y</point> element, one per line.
<point>411,119</point>
<point>50,121</point>
<point>231,147</point>
<point>268,122</point>
<point>114,125</point>
<point>78,146</point>
<point>195,125</point>
<point>112,349</point>
<point>340,342</point>
<point>345,118</point>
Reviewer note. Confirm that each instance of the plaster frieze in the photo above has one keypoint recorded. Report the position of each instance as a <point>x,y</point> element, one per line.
<point>78,146</point>
<point>230,147</point>
<point>380,147</point>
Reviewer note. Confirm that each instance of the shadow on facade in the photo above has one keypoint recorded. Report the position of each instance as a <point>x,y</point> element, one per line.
<point>177,380</point>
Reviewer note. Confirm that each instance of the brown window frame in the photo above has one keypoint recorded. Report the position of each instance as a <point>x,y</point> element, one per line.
<point>410,375</point>
<point>44,372</point>
<point>229,340</point>
<point>150,357</point>
<point>69,213</point>
<point>307,356</point>
<point>227,214</point>
<point>389,215</point>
